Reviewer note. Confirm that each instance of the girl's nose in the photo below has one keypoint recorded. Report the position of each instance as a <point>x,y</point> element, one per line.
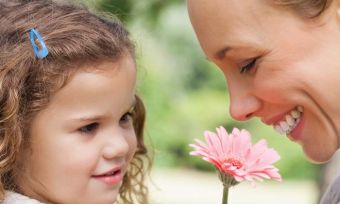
<point>116,146</point>
<point>243,104</point>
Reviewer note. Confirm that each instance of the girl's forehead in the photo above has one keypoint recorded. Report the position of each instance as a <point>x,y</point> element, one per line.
<point>107,81</point>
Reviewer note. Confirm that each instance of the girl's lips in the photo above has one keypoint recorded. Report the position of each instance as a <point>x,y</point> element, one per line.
<point>111,179</point>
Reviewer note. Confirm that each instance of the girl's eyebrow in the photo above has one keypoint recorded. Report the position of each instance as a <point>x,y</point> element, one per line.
<point>87,118</point>
<point>100,116</point>
<point>133,105</point>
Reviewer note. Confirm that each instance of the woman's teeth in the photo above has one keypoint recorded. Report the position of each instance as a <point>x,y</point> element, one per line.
<point>290,122</point>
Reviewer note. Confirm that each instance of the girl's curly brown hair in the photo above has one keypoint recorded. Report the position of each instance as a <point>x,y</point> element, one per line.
<point>74,37</point>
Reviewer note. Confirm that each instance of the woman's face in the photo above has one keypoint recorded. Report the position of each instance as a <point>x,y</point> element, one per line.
<point>279,67</point>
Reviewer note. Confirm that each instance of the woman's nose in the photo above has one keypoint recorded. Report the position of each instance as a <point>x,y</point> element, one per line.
<point>243,104</point>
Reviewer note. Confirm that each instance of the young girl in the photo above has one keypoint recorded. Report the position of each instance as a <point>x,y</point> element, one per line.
<point>71,126</point>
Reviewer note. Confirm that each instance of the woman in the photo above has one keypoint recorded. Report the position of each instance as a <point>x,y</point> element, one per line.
<point>281,60</point>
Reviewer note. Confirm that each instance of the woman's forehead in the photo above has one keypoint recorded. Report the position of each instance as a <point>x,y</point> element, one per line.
<point>228,6</point>
<point>218,21</point>
<point>230,11</point>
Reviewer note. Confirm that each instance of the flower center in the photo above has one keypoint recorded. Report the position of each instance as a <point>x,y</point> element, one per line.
<point>234,162</point>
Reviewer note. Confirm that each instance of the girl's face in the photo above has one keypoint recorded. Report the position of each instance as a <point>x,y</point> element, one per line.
<point>82,143</point>
<point>278,66</point>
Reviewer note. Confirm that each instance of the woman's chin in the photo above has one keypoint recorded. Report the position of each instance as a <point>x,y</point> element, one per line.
<point>319,157</point>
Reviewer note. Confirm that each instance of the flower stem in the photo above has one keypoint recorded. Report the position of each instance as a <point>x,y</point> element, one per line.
<point>225,195</point>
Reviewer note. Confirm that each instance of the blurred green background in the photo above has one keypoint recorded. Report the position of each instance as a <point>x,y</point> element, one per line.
<point>183,92</point>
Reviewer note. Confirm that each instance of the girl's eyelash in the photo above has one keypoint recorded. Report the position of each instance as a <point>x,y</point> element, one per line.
<point>127,116</point>
<point>249,66</point>
<point>90,128</point>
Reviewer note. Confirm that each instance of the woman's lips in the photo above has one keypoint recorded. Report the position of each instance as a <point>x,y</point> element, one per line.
<point>285,123</point>
<point>275,119</point>
<point>296,133</point>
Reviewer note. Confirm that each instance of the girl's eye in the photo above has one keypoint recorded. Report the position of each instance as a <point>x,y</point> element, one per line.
<point>89,128</point>
<point>126,118</point>
<point>250,64</point>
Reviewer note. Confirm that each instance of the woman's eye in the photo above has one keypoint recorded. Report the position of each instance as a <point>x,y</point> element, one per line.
<point>89,128</point>
<point>250,64</point>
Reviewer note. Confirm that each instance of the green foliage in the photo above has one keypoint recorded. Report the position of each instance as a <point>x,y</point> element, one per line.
<point>130,10</point>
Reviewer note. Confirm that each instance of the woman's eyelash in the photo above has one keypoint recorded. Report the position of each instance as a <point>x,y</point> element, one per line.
<point>248,66</point>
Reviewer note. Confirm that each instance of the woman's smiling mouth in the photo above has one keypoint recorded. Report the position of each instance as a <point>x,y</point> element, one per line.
<point>285,123</point>
<point>289,122</point>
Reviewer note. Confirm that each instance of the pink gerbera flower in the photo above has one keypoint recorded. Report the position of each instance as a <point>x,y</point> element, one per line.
<point>233,154</point>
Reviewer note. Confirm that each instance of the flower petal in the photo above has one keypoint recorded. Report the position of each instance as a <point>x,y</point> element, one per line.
<point>234,155</point>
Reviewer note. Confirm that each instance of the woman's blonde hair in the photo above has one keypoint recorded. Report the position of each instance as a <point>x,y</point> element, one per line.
<point>74,37</point>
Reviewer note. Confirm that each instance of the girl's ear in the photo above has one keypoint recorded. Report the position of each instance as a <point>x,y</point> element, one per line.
<point>337,9</point>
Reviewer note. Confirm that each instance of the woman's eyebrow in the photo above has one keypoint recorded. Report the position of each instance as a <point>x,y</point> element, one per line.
<point>232,50</point>
<point>220,54</point>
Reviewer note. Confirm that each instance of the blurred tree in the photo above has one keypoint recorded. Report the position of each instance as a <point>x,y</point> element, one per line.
<point>129,10</point>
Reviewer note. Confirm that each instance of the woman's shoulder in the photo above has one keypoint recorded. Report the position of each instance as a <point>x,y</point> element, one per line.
<point>336,183</point>
<point>16,198</point>
<point>332,195</point>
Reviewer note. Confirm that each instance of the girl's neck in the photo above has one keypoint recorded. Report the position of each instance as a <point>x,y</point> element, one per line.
<point>12,197</point>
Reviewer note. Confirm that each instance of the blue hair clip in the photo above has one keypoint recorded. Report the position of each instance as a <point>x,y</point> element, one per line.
<point>39,53</point>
